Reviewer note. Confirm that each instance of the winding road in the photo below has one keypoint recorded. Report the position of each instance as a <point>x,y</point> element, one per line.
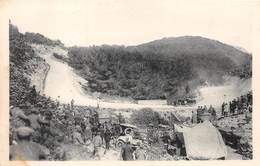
<point>63,84</point>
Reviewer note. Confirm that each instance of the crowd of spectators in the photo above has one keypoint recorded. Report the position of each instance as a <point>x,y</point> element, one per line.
<point>53,124</point>
<point>46,126</point>
<point>239,105</point>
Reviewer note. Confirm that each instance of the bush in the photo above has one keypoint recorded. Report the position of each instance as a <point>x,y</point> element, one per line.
<point>145,116</point>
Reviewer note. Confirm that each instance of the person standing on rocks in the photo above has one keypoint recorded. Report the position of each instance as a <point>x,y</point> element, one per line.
<point>72,104</point>
<point>33,95</point>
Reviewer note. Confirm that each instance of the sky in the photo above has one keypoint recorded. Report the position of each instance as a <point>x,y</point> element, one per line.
<point>132,22</point>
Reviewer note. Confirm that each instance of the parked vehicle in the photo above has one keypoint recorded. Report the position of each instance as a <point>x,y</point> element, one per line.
<point>135,134</point>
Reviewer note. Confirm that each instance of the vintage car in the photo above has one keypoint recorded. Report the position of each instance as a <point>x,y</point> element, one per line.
<point>135,135</point>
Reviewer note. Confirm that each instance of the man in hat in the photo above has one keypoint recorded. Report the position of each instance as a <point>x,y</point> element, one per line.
<point>48,127</point>
<point>128,135</point>
<point>97,144</point>
<point>127,151</point>
<point>156,135</point>
<point>108,136</point>
<point>226,110</point>
<point>211,109</point>
<point>26,149</point>
<point>33,95</point>
<point>140,153</point>
<point>72,104</point>
<point>89,146</point>
<point>60,151</point>
<point>34,119</point>
<point>199,114</point>
<point>77,138</point>
<point>150,134</point>
<point>88,132</point>
<point>222,108</point>
<point>194,117</point>
<point>102,132</point>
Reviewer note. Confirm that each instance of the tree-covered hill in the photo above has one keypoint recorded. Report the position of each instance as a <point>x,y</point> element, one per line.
<point>194,46</point>
<point>40,39</point>
<point>169,68</point>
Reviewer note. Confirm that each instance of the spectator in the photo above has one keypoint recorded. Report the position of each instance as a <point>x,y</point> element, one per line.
<point>72,104</point>
<point>88,132</point>
<point>199,113</point>
<point>250,108</point>
<point>33,95</point>
<point>244,108</point>
<point>90,146</point>
<point>107,136</point>
<point>102,133</point>
<point>204,109</point>
<point>230,108</point>
<point>150,134</point>
<point>26,149</point>
<point>156,135</point>
<point>60,153</point>
<point>128,135</point>
<point>97,145</point>
<point>140,153</point>
<point>77,138</point>
<point>223,108</point>
<point>194,117</point>
<point>127,151</point>
<point>226,110</point>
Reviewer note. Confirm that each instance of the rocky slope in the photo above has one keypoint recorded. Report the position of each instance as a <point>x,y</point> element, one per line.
<point>26,67</point>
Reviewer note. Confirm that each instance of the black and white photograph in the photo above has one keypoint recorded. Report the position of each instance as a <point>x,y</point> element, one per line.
<point>130,80</point>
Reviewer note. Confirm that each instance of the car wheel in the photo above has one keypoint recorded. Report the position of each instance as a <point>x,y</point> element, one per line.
<point>119,144</point>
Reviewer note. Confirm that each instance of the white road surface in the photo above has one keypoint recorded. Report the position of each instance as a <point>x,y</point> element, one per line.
<point>63,84</point>
<point>215,95</point>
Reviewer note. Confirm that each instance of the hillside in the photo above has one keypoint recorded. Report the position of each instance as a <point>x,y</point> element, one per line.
<point>170,68</point>
<point>194,46</point>
<point>37,38</point>
<point>26,68</point>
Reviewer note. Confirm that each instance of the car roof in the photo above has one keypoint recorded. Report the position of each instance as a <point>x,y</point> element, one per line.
<point>128,125</point>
